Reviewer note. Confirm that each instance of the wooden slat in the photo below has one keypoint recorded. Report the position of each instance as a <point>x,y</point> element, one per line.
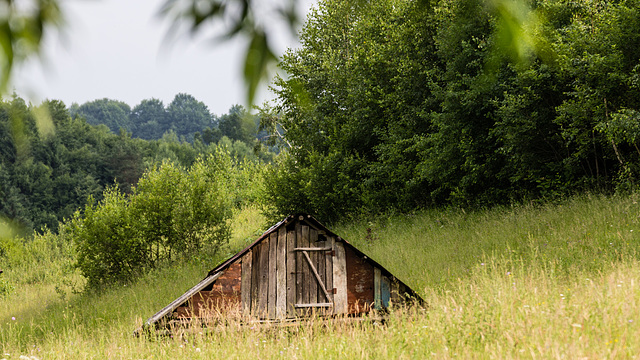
<point>263,295</point>
<point>313,261</point>
<point>312,249</point>
<point>306,285</point>
<point>273,268</point>
<point>255,278</point>
<point>340,280</point>
<point>291,273</point>
<point>281,278</point>
<point>317,276</point>
<point>385,292</point>
<point>245,287</point>
<point>321,264</point>
<point>299,266</point>
<point>314,305</point>
<point>328,268</point>
<point>377,279</point>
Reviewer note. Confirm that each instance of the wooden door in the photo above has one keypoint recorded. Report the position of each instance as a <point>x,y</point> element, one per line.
<point>296,271</point>
<point>314,254</point>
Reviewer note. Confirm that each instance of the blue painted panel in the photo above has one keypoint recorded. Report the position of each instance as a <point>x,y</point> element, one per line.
<point>385,292</point>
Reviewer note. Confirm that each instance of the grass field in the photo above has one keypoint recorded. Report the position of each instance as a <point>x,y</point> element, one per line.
<point>547,281</point>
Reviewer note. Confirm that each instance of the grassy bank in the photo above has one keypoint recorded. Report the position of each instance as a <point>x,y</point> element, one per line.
<point>528,282</point>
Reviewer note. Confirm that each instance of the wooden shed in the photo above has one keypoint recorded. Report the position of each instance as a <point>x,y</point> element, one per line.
<point>296,268</point>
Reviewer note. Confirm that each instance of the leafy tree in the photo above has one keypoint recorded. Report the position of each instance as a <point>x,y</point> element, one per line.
<point>186,116</point>
<point>112,113</point>
<point>149,119</point>
<point>238,124</point>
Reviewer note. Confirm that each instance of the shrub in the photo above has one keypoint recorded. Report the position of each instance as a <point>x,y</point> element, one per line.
<point>171,213</point>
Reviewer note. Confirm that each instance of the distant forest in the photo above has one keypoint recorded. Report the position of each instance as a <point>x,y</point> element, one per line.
<point>48,172</point>
<point>185,116</point>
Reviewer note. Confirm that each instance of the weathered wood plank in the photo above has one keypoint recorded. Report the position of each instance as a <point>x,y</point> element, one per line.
<point>312,249</point>
<point>263,295</point>
<point>291,273</point>
<point>245,287</point>
<point>313,261</point>
<point>255,279</point>
<point>328,267</point>
<point>281,278</point>
<point>307,281</point>
<point>314,305</point>
<point>273,268</point>
<point>340,280</point>
<point>321,265</point>
<point>299,267</point>
<point>377,279</point>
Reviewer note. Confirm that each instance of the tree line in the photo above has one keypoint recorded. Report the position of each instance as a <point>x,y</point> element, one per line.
<point>185,116</point>
<point>401,105</point>
<point>46,175</point>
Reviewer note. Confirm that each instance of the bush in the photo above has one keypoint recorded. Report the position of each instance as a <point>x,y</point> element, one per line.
<point>171,213</point>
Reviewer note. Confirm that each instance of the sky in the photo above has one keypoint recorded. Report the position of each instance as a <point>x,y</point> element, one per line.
<point>117,49</point>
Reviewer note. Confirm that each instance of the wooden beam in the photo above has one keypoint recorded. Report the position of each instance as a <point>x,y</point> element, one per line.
<point>255,279</point>
<point>340,302</point>
<point>281,276</point>
<point>320,261</point>
<point>291,273</point>
<point>273,268</point>
<point>312,249</point>
<point>245,283</point>
<point>263,289</point>
<point>314,305</point>
<point>313,259</point>
<point>299,266</point>
<point>306,287</point>
<point>328,267</point>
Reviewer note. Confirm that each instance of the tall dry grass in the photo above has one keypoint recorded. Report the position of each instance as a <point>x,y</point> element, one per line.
<point>552,281</point>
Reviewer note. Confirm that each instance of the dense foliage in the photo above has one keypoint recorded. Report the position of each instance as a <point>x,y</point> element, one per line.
<point>49,168</point>
<point>170,213</point>
<point>401,104</point>
<point>185,116</point>
<point>47,175</point>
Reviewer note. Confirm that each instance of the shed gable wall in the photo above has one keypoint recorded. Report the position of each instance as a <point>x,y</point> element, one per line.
<point>296,270</point>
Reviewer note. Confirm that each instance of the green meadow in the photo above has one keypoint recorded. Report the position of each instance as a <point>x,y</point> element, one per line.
<point>558,280</point>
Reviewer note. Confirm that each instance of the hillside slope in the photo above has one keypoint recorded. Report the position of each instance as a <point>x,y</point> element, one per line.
<point>530,281</point>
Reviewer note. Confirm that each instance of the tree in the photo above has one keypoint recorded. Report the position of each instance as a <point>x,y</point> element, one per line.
<point>112,113</point>
<point>186,116</point>
<point>149,119</point>
<point>238,124</point>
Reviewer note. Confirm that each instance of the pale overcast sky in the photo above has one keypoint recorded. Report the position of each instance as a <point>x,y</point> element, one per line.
<point>114,49</point>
